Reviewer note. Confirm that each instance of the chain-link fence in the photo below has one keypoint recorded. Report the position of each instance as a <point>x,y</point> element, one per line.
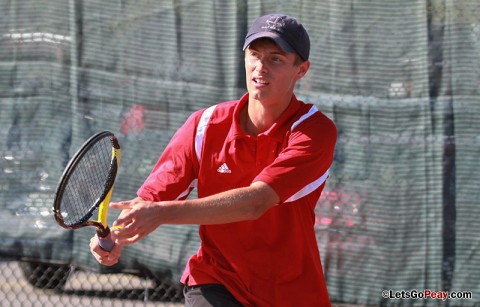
<point>34,284</point>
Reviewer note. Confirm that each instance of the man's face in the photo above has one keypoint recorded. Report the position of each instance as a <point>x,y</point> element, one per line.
<point>271,72</point>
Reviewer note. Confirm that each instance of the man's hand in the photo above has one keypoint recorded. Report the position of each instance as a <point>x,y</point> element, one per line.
<point>103,257</point>
<point>138,218</point>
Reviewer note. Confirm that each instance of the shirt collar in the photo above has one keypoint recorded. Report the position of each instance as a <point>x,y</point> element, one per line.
<point>276,131</point>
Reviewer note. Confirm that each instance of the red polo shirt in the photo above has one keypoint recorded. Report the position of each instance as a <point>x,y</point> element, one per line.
<point>274,260</point>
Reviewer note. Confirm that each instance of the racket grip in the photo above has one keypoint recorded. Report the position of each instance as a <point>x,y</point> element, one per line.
<point>105,241</point>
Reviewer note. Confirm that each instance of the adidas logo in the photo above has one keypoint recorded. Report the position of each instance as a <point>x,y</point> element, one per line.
<point>224,169</point>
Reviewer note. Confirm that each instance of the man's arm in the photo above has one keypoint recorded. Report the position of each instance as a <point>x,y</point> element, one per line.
<point>140,217</point>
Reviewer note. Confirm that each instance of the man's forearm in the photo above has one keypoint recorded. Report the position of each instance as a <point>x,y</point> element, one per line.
<point>235,205</point>
<point>140,217</point>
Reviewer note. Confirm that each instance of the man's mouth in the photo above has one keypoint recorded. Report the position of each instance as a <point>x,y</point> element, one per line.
<point>260,81</point>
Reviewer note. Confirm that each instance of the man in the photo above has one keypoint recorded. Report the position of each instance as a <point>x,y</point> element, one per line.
<point>260,164</point>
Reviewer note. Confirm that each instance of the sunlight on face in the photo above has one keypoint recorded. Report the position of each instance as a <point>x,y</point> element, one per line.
<point>271,73</point>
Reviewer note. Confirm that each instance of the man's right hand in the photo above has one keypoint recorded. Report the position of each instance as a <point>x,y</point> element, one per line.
<point>103,257</point>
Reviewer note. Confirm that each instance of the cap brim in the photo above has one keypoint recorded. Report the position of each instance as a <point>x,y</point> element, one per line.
<point>272,35</point>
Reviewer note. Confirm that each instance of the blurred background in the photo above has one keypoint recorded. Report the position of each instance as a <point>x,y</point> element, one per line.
<point>400,78</point>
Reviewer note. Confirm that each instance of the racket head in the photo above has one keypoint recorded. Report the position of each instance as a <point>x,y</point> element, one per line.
<point>87,182</point>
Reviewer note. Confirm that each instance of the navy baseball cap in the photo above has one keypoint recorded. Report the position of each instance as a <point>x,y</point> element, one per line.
<point>285,30</point>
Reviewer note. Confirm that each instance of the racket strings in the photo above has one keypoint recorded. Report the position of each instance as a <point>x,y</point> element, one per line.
<point>87,183</point>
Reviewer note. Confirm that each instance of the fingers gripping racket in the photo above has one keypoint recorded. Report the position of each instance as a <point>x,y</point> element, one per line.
<point>86,186</point>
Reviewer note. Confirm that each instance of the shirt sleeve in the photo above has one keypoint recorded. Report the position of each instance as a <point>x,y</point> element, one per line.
<point>175,173</point>
<point>302,166</point>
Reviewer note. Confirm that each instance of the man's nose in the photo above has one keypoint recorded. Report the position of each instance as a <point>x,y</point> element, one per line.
<point>261,65</point>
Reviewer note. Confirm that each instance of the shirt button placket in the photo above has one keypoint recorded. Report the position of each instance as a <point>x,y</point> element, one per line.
<point>258,155</point>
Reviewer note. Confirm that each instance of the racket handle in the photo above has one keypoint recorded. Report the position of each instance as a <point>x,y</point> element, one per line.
<point>105,241</point>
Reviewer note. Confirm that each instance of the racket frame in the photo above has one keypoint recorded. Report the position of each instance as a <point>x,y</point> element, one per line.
<point>103,201</point>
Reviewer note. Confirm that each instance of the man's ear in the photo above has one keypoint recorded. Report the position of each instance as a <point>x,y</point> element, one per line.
<point>303,68</point>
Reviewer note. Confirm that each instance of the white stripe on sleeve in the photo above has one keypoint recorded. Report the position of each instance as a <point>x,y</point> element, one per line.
<point>310,112</point>
<point>309,188</point>
<point>202,125</point>
<point>192,185</point>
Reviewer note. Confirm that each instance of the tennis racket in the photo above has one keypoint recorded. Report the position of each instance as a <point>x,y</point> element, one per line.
<point>86,186</point>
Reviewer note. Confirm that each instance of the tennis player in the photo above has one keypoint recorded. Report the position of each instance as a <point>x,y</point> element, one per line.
<point>260,164</point>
